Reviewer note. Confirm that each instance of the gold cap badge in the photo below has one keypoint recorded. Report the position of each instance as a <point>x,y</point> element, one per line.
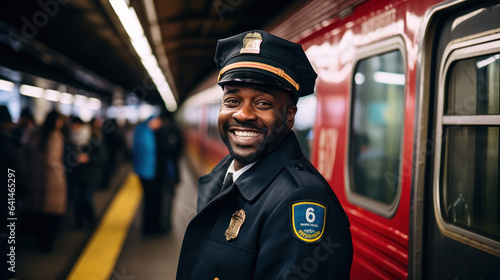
<point>237,220</point>
<point>251,43</point>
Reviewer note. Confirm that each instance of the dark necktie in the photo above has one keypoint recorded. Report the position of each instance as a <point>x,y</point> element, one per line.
<point>227,182</point>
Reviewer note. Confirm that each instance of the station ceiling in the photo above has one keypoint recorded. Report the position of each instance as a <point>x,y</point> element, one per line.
<point>82,43</point>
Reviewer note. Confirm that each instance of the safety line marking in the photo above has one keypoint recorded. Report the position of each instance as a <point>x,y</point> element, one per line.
<point>101,252</point>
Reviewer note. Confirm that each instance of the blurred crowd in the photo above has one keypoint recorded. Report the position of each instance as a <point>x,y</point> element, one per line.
<point>58,166</point>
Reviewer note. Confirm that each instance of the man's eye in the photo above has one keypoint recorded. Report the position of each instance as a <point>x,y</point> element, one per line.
<point>230,102</point>
<point>263,104</point>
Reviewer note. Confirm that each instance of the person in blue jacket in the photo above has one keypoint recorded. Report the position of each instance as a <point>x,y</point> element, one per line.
<point>264,212</point>
<point>144,150</point>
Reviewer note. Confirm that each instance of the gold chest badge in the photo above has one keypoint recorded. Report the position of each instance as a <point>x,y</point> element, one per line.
<point>237,220</point>
<point>251,43</point>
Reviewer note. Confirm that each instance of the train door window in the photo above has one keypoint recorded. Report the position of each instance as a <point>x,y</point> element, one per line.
<point>376,129</point>
<point>468,191</point>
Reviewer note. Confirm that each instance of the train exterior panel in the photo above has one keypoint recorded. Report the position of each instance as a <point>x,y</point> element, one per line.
<point>380,230</point>
<point>406,130</point>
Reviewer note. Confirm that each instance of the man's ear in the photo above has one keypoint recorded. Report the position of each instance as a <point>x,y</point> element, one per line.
<point>290,116</point>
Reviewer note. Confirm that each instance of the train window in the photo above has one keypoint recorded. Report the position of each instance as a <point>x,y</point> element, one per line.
<point>304,123</point>
<point>470,191</point>
<point>376,130</point>
<point>192,117</point>
<point>212,120</point>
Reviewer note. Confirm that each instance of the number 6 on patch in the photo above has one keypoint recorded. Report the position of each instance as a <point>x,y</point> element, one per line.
<point>310,217</point>
<point>308,220</point>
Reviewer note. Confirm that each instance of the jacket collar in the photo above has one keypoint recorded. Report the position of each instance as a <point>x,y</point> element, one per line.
<point>254,180</point>
<point>257,178</point>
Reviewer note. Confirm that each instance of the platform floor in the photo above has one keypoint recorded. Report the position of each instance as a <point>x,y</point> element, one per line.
<point>141,257</point>
<point>155,257</point>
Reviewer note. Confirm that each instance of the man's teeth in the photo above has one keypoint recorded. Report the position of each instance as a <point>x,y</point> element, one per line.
<point>246,134</point>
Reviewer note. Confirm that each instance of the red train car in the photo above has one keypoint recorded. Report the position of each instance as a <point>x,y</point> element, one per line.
<point>404,125</point>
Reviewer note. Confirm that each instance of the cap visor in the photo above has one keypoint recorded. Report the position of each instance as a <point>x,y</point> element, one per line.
<point>252,78</point>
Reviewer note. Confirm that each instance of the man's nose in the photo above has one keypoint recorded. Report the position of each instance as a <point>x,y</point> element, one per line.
<point>245,113</point>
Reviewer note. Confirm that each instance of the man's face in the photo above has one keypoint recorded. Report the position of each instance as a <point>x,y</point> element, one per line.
<point>253,120</point>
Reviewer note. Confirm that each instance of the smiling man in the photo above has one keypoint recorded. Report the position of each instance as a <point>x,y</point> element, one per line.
<point>253,120</point>
<point>264,212</point>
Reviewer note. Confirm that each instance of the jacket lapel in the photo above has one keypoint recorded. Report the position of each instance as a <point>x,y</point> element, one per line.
<point>210,184</point>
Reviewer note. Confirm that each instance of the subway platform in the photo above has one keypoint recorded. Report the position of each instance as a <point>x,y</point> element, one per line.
<point>114,248</point>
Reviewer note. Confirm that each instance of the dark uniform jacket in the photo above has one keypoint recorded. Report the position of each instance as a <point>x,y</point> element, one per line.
<point>272,242</point>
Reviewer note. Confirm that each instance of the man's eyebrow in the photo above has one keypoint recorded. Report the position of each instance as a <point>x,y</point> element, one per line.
<point>231,90</point>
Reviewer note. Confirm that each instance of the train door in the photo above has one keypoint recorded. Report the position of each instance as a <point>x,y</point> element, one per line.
<point>461,213</point>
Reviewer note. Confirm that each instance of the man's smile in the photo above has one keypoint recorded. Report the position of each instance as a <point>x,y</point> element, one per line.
<point>246,135</point>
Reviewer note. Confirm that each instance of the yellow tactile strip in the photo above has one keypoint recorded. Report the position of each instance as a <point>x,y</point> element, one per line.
<point>101,252</point>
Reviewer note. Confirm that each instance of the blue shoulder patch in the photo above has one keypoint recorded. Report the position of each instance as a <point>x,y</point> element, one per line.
<point>308,220</point>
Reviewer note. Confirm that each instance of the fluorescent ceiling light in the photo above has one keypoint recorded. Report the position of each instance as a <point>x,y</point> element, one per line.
<point>112,112</point>
<point>128,18</point>
<point>389,78</point>
<point>145,111</point>
<point>6,85</point>
<point>31,91</point>
<point>132,26</point>
<point>94,103</point>
<point>149,62</point>
<point>142,47</point>
<point>80,100</point>
<point>66,98</point>
<point>52,95</point>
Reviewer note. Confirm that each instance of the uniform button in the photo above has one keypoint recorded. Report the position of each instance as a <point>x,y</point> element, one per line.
<point>299,167</point>
<point>216,278</point>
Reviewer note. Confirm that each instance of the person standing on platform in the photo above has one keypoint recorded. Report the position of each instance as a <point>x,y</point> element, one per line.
<point>145,158</point>
<point>47,192</point>
<point>169,149</point>
<point>25,126</point>
<point>11,152</point>
<point>86,156</point>
<point>264,212</point>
